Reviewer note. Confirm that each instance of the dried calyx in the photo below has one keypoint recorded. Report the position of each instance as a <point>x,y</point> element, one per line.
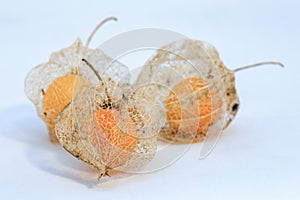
<point>183,66</point>
<point>50,86</point>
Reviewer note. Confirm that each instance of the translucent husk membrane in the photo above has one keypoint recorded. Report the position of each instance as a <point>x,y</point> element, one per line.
<point>108,126</point>
<point>45,76</point>
<point>175,64</point>
<point>135,116</point>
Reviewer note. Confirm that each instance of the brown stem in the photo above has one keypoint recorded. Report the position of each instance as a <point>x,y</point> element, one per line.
<point>103,172</point>
<point>97,28</point>
<point>92,68</point>
<point>258,64</point>
<point>100,79</point>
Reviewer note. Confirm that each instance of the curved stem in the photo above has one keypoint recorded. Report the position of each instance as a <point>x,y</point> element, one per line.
<point>92,68</point>
<point>258,64</point>
<point>100,79</point>
<point>97,28</point>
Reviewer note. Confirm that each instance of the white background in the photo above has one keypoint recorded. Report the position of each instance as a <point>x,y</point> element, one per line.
<point>257,156</point>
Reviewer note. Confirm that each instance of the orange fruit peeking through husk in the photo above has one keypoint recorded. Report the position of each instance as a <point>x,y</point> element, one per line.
<point>189,108</point>
<point>120,136</point>
<point>103,128</point>
<point>196,88</point>
<point>50,85</point>
<point>58,95</point>
<point>110,131</point>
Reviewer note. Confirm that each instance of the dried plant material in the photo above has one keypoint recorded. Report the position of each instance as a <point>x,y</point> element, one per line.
<point>197,90</point>
<point>194,94</point>
<point>57,97</point>
<point>107,127</point>
<point>184,94</point>
<point>50,85</point>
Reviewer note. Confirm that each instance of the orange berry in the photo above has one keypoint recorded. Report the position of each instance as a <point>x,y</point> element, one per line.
<point>189,107</point>
<point>58,95</point>
<point>119,137</point>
